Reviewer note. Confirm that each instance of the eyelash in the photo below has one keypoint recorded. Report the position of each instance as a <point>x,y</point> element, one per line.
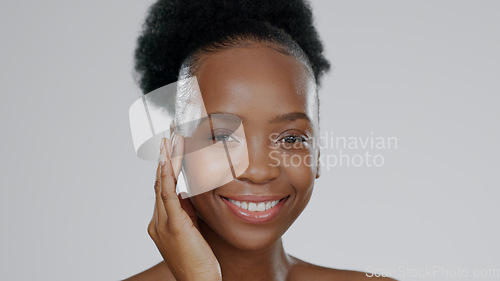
<point>301,138</point>
<point>217,134</point>
<point>220,135</point>
<point>298,141</point>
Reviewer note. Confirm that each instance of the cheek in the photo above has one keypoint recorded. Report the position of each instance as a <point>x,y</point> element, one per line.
<point>213,166</point>
<point>206,169</point>
<point>299,167</point>
<point>204,205</point>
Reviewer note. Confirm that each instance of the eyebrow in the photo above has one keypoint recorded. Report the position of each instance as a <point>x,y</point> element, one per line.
<point>221,116</point>
<point>290,117</point>
<point>287,117</point>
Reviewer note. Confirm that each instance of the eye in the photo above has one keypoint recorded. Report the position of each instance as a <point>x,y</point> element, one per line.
<point>223,135</point>
<point>293,141</point>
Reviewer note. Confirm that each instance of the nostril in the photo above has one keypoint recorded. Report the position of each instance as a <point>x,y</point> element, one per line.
<point>263,163</point>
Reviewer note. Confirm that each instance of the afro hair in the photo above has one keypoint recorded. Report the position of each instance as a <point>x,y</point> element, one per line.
<point>176,29</point>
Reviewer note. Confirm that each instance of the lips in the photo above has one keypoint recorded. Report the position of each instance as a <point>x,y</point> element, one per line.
<point>254,208</point>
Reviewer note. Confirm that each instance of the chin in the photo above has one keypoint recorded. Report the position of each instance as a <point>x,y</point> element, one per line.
<point>251,239</point>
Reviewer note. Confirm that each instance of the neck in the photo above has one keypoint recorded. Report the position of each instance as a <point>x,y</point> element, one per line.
<point>270,263</point>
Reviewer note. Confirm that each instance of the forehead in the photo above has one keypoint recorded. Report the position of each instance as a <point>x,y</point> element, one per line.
<point>256,80</point>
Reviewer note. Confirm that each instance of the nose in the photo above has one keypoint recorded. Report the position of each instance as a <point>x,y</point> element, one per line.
<point>263,164</point>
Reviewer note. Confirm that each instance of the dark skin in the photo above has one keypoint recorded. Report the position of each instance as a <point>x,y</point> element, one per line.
<point>272,93</point>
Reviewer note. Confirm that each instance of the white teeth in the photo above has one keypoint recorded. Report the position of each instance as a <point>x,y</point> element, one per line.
<point>261,206</point>
<point>254,206</point>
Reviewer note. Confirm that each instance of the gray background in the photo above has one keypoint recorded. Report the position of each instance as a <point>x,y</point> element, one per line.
<point>75,201</point>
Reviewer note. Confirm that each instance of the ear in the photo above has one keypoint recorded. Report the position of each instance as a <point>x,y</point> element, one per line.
<point>317,165</point>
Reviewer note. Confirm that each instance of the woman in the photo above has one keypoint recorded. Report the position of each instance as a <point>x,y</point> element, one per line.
<point>260,62</point>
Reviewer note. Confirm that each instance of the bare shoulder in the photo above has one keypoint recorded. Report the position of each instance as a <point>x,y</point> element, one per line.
<point>159,271</point>
<point>302,270</point>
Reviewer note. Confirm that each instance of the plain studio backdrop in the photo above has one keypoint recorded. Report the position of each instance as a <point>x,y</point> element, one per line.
<point>75,200</point>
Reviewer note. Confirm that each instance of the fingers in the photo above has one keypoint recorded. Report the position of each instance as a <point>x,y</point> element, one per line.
<point>167,205</point>
<point>177,153</point>
<point>160,208</point>
<point>168,183</point>
<point>154,220</point>
<point>152,224</point>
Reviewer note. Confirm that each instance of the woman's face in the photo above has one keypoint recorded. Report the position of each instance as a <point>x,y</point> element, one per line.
<point>273,96</point>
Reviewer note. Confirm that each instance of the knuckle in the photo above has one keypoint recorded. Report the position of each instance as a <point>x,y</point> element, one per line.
<point>151,232</point>
<point>174,229</point>
<point>162,232</point>
<point>151,225</point>
<point>165,196</point>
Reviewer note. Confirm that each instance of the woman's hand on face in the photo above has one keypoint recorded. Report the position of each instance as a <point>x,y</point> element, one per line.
<point>174,227</point>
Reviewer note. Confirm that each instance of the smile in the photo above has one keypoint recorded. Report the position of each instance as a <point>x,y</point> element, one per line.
<point>255,209</point>
<point>255,206</point>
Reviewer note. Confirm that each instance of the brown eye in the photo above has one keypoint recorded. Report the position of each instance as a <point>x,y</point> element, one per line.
<point>293,139</point>
<point>223,135</point>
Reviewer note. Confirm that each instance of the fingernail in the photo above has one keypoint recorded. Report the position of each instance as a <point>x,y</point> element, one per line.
<point>161,159</point>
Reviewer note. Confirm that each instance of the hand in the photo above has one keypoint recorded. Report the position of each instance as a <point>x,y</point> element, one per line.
<point>174,227</point>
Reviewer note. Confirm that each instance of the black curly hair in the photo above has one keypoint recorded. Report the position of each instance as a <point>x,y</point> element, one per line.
<point>176,31</point>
